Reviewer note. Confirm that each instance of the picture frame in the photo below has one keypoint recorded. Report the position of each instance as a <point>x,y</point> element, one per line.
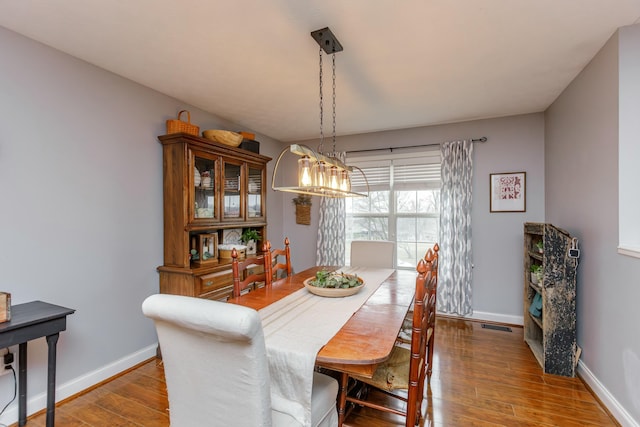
<point>507,192</point>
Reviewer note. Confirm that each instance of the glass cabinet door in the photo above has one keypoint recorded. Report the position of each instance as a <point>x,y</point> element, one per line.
<point>232,208</point>
<point>255,191</point>
<point>204,185</point>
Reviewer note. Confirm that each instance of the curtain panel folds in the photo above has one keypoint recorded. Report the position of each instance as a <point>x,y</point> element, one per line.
<point>330,249</point>
<point>455,258</point>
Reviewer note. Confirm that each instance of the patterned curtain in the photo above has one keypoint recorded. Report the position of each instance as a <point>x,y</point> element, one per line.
<point>330,249</point>
<point>455,262</point>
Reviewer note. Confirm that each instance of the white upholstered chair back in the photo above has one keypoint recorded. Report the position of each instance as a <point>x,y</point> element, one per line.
<point>372,253</point>
<point>214,361</point>
<point>216,367</point>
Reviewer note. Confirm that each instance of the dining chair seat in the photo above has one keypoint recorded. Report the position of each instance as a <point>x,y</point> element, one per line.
<point>393,373</point>
<point>216,366</point>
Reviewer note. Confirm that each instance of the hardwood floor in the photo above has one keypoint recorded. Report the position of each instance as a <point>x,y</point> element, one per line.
<point>481,377</point>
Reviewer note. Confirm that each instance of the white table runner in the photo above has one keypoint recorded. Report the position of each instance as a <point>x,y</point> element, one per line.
<point>296,328</point>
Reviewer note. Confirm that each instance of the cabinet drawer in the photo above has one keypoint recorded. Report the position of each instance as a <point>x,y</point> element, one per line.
<point>213,281</point>
<point>221,294</point>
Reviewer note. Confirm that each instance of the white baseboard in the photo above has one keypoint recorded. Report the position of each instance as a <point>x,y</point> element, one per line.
<point>498,318</point>
<point>77,385</point>
<point>607,399</point>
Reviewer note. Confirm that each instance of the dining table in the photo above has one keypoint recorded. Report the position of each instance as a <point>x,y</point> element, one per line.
<point>304,331</point>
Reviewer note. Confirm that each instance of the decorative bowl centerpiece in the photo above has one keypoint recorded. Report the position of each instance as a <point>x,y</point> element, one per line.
<point>334,284</point>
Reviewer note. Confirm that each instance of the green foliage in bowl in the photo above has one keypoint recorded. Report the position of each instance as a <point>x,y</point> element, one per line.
<point>332,279</point>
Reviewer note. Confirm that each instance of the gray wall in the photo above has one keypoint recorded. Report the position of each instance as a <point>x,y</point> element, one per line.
<point>81,208</point>
<point>515,144</point>
<point>581,162</point>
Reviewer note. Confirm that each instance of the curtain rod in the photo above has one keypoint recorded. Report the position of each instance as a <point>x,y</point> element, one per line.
<point>481,139</point>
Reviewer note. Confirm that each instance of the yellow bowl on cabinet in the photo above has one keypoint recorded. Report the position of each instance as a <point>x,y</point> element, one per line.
<point>226,137</point>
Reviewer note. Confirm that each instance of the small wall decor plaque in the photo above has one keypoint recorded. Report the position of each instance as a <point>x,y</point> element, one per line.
<point>231,236</point>
<point>303,209</point>
<point>507,192</point>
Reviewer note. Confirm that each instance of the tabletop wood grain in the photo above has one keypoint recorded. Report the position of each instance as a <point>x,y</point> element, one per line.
<point>368,336</point>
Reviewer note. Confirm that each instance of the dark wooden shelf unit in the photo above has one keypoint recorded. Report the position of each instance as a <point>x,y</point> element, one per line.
<point>552,336</point>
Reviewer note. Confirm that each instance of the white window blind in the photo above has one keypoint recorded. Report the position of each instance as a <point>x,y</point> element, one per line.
<point>378,178</point>
<point>411,171</point>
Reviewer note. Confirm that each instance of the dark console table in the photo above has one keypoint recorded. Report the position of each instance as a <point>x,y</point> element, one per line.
<point>30,321</point>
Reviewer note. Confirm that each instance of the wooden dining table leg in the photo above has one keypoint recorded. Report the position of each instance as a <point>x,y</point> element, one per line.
<point>342,397</point>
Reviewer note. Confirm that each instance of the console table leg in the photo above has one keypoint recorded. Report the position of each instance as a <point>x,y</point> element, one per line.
<point>22,384</point>
<point>52,340</point>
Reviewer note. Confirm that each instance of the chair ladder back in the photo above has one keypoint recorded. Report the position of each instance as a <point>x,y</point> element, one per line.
<point>418,344</point>
<point>268,260</point>
<point>432,264</point>
<point>277,266</point>
<point>240,270</point>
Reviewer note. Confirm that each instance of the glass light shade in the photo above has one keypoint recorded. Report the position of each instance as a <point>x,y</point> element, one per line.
<point>345,181</point>
<point>304,172</point>
<point>320,174</point>
<point>334,178</point>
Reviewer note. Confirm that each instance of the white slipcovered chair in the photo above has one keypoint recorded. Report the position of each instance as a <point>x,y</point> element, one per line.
<point>216,367</point>
<point>372,253</point>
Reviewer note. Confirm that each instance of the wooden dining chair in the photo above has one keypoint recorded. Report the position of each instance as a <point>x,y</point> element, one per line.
<point>408,366</point>
<point>280,261</point>
<point>431,257</point>
<point>405,333</point>
<point>251,272</point>
<point>216,366</point>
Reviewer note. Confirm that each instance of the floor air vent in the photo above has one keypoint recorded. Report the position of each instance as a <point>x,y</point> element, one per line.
<point>496,327</point>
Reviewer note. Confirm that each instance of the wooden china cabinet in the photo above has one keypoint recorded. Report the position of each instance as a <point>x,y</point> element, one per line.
<point>211,192</point>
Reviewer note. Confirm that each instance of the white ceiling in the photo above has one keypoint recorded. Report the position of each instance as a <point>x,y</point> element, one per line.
<point>405,63</point>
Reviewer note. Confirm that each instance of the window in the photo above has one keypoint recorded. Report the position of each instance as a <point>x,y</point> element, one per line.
<point>403,204</point>
<point>628,147</point>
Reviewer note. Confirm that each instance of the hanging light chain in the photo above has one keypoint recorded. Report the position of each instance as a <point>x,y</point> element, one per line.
<point>321,146</point>
<point>334,103</point>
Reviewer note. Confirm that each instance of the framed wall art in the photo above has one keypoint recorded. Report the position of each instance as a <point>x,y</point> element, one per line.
<point>507,192</point>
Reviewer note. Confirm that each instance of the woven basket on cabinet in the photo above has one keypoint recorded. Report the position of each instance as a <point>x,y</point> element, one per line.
<point>177,126</point>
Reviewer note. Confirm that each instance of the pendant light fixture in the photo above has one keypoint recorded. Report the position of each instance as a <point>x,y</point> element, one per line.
<point>321,173</point>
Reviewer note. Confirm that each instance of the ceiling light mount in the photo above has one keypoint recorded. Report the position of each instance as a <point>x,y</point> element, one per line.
<point>326,40</point>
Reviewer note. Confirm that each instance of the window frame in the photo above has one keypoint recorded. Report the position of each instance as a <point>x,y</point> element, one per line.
<point>427,158</point>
